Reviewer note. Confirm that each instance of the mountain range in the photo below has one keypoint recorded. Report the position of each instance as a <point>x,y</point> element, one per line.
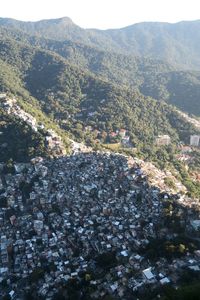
<point>176,43</point>
<point>66,80</point>
<point>166,74</point>
<point>109,223</point>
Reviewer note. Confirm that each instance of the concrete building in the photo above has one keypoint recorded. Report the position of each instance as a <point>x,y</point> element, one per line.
<point>195,140</point>
<point>148,274</point>
<point>162,140</point>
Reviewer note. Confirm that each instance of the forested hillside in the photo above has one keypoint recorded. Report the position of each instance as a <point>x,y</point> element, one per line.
<point>151,77</point>
<point>154,78</point>
<point>99,161</point>
<point>71,87</point>
<point>18,141</point>
<point>66,92</point>
<point>177,43</point>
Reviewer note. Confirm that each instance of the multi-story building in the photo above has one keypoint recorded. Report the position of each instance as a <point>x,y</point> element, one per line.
<point>195,140</point>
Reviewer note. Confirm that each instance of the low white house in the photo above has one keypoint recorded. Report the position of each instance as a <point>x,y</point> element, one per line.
<point>148,274</point>
<point>195,224</point>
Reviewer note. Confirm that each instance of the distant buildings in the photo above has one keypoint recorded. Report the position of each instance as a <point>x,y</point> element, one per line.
<point>54,142</point>
<point>63,216</point>
<point>163,140</point>
<point>195,140</point>
<point>122,132</point>
<point>2,96</point>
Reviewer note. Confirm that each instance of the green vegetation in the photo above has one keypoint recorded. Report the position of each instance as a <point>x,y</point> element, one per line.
<point>160,77</point>
<point>170,42</point>
<point>18,141</point>
<point>106,96</point>
<point>67,93</point>
<point>151,77</point>
<point>169,182</point>
<point>71,82</point>
<point>192,186</point>
<point>113,147</point>
<point>188,292</point>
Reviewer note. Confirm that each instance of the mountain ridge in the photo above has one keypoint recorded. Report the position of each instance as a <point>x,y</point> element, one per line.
<point>68,86</point>
<point>153,77</point>
<point>177,43</point>
<point>85,105</point>
<point>66,19</point>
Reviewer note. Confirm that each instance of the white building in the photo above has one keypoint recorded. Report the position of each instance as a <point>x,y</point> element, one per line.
<point>195,224</point>
<point>3,96</point>
<point>195,140</point>
<point>164,280</point>
<point>148,274</point>
<point>38,225</point>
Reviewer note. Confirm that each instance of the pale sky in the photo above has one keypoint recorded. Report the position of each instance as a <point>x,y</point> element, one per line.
<point>102,14</point>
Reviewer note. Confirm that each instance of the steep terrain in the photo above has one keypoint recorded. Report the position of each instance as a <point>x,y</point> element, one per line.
<point>22,137</point>
<point>152,77</point>
<point>67,92</point>
<point>18,141</point>
<point>176,43</point>
<point>90,227</point>
<point>78,93</point>
<point>98,224</point>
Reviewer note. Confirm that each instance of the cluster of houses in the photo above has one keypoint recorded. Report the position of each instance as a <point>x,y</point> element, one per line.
<point>61,218</point>
<point>157,177</point>
<point>188,155</point>
<point>162,140</point>
<point>11,107</point>
<point>54,142</point>
<point>121,135</point>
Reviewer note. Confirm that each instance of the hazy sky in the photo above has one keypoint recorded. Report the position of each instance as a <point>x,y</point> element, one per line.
<point>102,13</point>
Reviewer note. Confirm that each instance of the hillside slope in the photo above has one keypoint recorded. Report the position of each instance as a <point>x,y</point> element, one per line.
<point>176,43</point>
<point>154,78</point>
<point>18,141</point>
<point>66,92</point>
<point>86,105</point>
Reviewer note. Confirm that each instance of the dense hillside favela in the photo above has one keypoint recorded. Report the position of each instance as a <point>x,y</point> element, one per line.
<point>99,161</point>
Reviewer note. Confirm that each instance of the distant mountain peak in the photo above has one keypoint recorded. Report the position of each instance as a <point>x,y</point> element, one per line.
<point>175,43</point>
<point>63,20</point>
